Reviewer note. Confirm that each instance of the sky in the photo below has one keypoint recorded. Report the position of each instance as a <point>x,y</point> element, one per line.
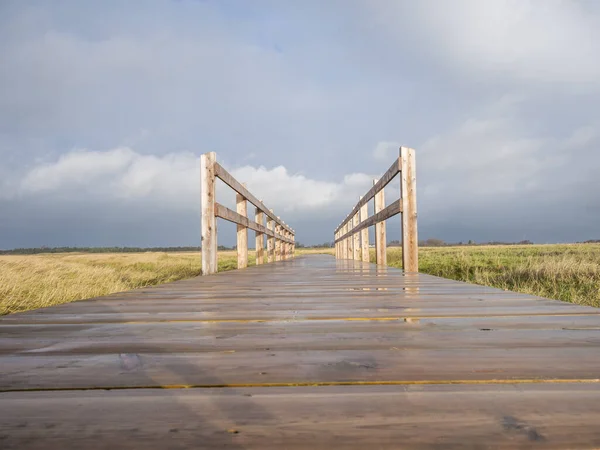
<point>106,107</point>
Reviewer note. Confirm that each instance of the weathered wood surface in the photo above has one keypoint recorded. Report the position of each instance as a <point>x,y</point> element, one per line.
<point>309,352</point>
<point>408,195</point>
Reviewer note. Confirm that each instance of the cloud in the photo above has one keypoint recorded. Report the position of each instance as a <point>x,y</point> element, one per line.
<point>122,174</point>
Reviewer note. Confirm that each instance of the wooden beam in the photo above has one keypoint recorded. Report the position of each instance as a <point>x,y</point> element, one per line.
<point>380,230</point>
<point>259,217</point>
<point>240,189</point>
<point>242,233</point>
<point>364,233</point>
<point>209,220</point>
<point>386,213</point>
<point>383,182</point>
<point>408,191</point>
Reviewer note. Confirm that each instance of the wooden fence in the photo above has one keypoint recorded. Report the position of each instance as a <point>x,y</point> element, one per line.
<point>352,235</point>
<point>280,237</point>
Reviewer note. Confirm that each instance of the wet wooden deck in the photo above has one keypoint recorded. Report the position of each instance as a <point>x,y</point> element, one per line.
<point>310,352</point>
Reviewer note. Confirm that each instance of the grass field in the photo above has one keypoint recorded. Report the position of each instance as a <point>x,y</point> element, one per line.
<point>565,272</point>
<point>568,272</point>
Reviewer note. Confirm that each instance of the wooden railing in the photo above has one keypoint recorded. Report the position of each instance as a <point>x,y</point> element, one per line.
<point>280,237</point>
<point>352,235</point>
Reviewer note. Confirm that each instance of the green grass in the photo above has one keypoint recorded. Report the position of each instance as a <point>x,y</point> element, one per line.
<point>569,272</point>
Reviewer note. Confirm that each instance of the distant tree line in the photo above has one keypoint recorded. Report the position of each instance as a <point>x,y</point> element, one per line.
<point>33,251</point>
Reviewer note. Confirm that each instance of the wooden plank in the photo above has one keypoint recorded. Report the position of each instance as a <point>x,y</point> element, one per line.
<point>408,192</point>
<point>20,337</point>
<point>339,335</point>
<point>386,213</point>
<point>209,221</point>
<point>259,238</point>
<point>350,417</point>
<point>380,230</point>
<point>382,183</point>
<point>324,315</point>
<point>264,365</point>
<point>242,233</point>
<point>353,304</point>
<point>240,189</point>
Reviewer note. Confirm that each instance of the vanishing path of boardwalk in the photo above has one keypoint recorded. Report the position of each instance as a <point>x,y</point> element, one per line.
<point>311,352</point>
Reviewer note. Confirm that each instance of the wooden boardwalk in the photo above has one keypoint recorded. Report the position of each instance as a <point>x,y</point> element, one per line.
<point>311,352</point>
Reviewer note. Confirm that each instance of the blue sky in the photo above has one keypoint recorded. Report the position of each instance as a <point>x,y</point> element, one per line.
<point>106,106</point>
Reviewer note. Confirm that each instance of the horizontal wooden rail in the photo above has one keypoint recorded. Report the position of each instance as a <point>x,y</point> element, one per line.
<point>390,211</point>
<point>378,186</point>
<point>228,179</point>
<point>351,239</point>
<point>225,213</point>
<point>281,238</point>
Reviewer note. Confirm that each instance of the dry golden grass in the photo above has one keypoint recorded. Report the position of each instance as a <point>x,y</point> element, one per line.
<point>36,281</point>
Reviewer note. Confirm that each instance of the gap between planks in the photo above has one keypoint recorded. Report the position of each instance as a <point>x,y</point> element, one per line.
<point>314,384</point>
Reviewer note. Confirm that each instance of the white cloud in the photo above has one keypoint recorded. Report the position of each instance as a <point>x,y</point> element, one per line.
<point>125,175</point>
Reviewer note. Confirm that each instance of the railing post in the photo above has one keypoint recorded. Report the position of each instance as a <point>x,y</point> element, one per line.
<point>347,242</point>
<point>277,243</point>
<point>260,238</point>
<point>364,234</point>
<point>380,235</point>
<point>209,220</point>
<point>356,238</point>
<point>408,193</point>
<point>270,240</point>
<point>242,233</point>
<point>342,243</point>
<point>283,244</point>
<point>350,240</point>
